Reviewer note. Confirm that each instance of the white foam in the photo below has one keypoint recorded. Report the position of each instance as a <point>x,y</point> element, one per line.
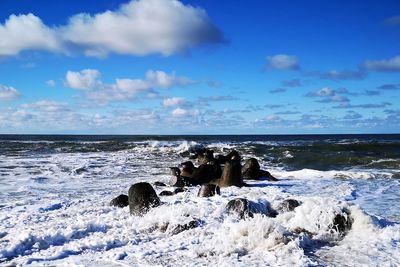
<point>65,219</point>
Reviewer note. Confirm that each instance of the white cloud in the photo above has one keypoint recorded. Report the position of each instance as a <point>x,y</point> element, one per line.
<point>51,83</point>
<point>8,93</point>
<point>26,32</point>
<point>389,65</point>
<point>139,27</point>
<point>83,80</point>
<point>282,62</point>
<point>180,112</point>
<point>160,79</point>
<point>174,101</point>
<point>123,89</point>
<point>47,106</point>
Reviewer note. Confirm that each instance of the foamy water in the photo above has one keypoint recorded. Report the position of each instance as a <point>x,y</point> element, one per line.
<point>54,210</point>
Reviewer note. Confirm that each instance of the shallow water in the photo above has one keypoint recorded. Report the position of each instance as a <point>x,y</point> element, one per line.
<point>54,197</point>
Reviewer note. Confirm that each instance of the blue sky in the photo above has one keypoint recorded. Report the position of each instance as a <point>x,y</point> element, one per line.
<point>199,67</point>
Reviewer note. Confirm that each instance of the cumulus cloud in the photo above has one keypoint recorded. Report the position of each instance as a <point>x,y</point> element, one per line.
<point>138,28</point>
<point>125,89</point>
<point>26,32</point>
<point>8,93</point>
<point>384,65</point>
<point>282,62</point>
<point>83,80</point>
<point>161,79</point>
<point>174,101</point>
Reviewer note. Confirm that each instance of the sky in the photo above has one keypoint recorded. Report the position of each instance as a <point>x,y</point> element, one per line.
<point>199,67</point>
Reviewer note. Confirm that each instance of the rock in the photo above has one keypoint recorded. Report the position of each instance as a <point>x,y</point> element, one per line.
<point>288,205</point>
<point>342,222</point>
<point>251,169</point>
<point>187,169</point>
<point>196,150</point>
<point>208,190</point>
<point>240,207</point>
<point>142,197</point>
<point>184,227</point>
<point>179,190</point>
<point>221,159</point>
<point>176,179</point>
<point>167,193</point>
<point>266,175</point>
<point>244,208</point>
<point>205,157</point>
<point>231,175</point>
<point>205,173</point>
<point>120,201</point>
<point>159,184</point>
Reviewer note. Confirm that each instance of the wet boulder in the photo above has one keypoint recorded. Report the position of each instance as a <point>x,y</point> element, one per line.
<point>196,150</point>
<point>266,175</point>
<point>208,190</point>
<point>244,208</point>
<point>342,222</point>
<point>120,201</point>
<point>176,179</point>
<point>166,193</point>
<point>142,197</point>
<point>206,173</point>
<point>205,157</point>
<point>251,169</point>
<point>231,175</point>
<point>187,169</point>
<point>288,205</point>
<point>184,227</point>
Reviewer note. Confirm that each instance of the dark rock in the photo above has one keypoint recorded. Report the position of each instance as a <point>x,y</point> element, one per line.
<point>167,193</point>
<point>266,175</point>
<point>251,169</point>
<point>231,175</point>
<point>176,179</point>
<point>205,157</point>
<point>208,190</point>
<point>196,150</point>
<point>187,169</point>
<point>159,184</point>
<point>184,227</point>
<point>221,159</point>
<point>142,197</point>
<point>244,208</point>
<point>288,205</point>
<point>120,201</point>
<point>205,173</point>
<point>179,190</point>
<point>233,156</point>
<point>342,222</point>
<point>240,207</point>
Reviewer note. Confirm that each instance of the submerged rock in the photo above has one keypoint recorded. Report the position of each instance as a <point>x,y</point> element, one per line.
<point>287,205</point>
<point>159,184</point>
<point>184,227</point>
<point>167,193</point>
<point>120,201</point>
<point>208,190</point>
<point>342,222</point>
<point>142,197</point>
<point>244,208</point>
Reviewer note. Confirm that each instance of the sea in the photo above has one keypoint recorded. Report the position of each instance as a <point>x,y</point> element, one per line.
<point>55,192</point>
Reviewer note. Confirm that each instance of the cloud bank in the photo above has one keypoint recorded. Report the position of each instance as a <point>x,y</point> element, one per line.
<point>8,93</point>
